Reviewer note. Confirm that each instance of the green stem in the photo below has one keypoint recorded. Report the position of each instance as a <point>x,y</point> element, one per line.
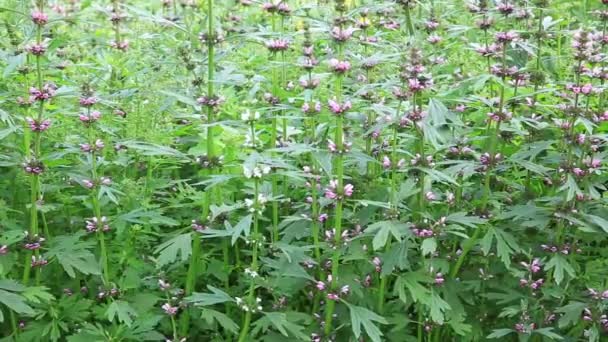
<point>339,166</point>
<point>196,240</point>
<point>254,264</point>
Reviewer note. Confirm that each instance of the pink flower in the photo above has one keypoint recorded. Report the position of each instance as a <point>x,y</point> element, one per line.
<point>439,280</point>
<point>40,18</point>
<point>348,190</point>
<point>277,45</point>
<point>386,162</point>
<point>338,108</point>
<point>170,310</point>
<point>333,296</point>
<point>38,126</point>
<point>320,286</point>
<point>36,49</point>
<point>88,101</point>
<point>339,66</point>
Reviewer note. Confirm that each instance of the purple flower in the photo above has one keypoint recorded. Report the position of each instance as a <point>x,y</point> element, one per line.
<point>46,93</point>
<point>337,108</point>
<point>342,34</point>
<point>38,126</point>
<point>39,18</point>
<point>36,49</point>
<point>277,45</point>
<point>506,37</point>
<point>3,250</point>
<point>386,162</point>
<point>348,190</point>
<point>333,296</point>
<point>338,66</point>
<point>170,310</point>
<point>88,101</point>
<point>439,280</point>
<point>320,286</point>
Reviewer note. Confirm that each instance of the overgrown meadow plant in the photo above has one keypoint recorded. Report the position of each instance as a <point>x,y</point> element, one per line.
<point>300,170</point>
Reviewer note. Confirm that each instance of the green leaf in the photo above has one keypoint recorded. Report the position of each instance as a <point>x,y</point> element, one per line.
<point>224,321</point>
<point>282,324</point>
<point>548,332</point>
<point>560,265</point>
<point>429,246</point>
<point>412,281</point>
<point>74,254</point>
<point>462,219</point>
<point>37,294</point>
<point>571,187</point>
<point>382,229</point>
<point>438,307</point>
<point>216,296</point>
<point>571,313</point>
<point>498,333</point>
<point>122,310</point>
<point>241,228</point>
<point>149,149</point>
<point>16,303</point>
<point>601,222</point>
<point>168,251</point>
<point>360,316</point>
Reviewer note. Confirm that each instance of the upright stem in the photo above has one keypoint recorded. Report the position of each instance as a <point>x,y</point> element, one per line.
<point>35,155</point>
<point>243,336</point>
<point>193,267</point>
<point>339,168</point>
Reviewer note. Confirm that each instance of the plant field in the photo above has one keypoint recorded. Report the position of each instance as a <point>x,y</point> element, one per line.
<point>303,170</point>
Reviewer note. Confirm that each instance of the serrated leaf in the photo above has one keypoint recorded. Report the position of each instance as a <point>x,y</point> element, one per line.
<point>280,322</point>
<point>360,316</point>
<point>428,246</point>
<point>15,302</point>
<point>559,265</point>
<point>121,310</point>
<point>462,219</point>
<point>438,307</point>
<point>224,321</point>
<point>548,332</point>
<point>180,245</point>
<point>571,313</point>
<point>498,333</point>
<point>74,254</point>
<point>216,296</point>
<point>242,228</point>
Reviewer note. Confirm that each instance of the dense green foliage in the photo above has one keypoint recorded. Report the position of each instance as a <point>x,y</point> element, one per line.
<point>303,170</point>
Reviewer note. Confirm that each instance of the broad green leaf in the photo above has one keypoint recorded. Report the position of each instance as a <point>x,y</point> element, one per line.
<point>122,310</point>
<point>559,265</point>
<point>224,321</point>
<point>428,246</point>
<point>463,219</point>
<point>15,302</point>
<point>438,307</point>
<point>360,316</point>
<point>499,333</point>
<point>74,254</point>
<point>548,332</point>
<point>216,296</point>
<point>280,322</point>
<point>168,251</point>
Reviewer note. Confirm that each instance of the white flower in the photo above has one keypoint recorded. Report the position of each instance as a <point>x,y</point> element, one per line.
<point>247,171</point>
<point>248,116</point>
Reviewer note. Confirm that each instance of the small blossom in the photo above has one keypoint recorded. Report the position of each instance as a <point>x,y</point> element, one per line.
<point>338,66</point>
<point>39,18</point>
<point>170,310</point>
